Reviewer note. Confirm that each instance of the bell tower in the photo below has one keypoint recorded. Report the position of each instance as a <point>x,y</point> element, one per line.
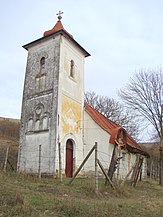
<point>52,105</point>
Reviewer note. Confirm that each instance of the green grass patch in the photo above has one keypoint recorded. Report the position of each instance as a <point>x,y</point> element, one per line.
<point>24,196</point>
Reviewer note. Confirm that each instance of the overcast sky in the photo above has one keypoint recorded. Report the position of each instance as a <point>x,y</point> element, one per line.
<point>121,36</point>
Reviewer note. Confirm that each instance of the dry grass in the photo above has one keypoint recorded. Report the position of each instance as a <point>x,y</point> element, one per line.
<point>26,196</point>
<point>9,137</point>
<point>12,154</point>
<point>23,196</point>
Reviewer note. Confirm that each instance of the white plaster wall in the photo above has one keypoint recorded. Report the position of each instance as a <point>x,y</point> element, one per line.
<point>125,165</point>
<point>32,152</point>
<point>144,168</point>
<point>94,133</point>
<point>72,89</point>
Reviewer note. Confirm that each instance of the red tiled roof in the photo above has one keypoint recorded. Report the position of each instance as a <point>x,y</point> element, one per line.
<point>108,125</point>
<point>58,29</point>
<point>58,26</point>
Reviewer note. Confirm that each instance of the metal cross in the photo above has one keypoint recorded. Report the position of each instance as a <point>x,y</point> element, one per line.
<point>59,15</point>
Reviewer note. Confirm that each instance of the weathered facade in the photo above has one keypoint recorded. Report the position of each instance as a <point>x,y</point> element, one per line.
<point>53,109</point>
<point>106,133</point>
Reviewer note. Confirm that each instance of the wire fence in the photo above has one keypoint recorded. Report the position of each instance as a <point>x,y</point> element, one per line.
<point>8,158</point>
<point>42,162</point>
<point>32,157</point>
<point>36,161</point>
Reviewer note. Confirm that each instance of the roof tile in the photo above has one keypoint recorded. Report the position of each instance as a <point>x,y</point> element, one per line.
<point>58,27</point>
<point>108,125</point>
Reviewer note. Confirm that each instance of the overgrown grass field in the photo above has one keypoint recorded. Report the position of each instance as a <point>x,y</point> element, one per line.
<point>26,196</point>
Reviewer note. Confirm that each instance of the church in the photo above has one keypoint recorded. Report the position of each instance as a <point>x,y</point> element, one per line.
<point>55,121</point>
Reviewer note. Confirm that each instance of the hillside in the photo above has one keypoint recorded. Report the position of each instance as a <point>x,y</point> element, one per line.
<point>9,128</point>
<point>9,137</point>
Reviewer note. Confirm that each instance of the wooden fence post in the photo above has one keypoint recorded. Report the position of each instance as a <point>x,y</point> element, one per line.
<point>125,179</point>
<point>60,162</point>
<point>39,166</point>
<point>139,170</point>
<point>6,158</point>
<point>112,166</point>
<point>96,169</point>
<point>82,164</point>
<point>105,174</point>
<point>136,171</point>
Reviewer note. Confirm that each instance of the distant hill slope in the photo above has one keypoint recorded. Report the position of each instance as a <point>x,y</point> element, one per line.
<point>9,128</point>
<point>9,137</point>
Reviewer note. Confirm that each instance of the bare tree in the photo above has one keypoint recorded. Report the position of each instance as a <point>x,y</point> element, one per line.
<point>144,94</point>
<point>114,111</point>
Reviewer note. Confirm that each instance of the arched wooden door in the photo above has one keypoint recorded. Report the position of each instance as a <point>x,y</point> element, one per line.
<point>69,158</point>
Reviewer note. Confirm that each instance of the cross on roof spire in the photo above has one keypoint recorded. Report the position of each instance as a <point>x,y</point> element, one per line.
<point>59,15</point>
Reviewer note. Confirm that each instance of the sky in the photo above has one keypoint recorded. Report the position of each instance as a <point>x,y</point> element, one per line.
<point>122,37</point>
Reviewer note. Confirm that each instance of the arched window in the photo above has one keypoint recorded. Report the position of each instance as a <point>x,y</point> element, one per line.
<point>72,69</point>
<point>42,63</point>
<point>37,125</point>
<point>45,123</point>
<point>30,124</point>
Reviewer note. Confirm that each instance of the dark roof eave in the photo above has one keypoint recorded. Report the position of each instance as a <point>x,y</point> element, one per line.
<point>62,32</point>
<point>135,150</point>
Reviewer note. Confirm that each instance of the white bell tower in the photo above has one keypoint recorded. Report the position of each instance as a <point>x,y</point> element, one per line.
<point>53,100</point>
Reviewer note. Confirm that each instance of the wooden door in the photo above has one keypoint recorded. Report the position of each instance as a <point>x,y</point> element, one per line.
<point>69,158</point>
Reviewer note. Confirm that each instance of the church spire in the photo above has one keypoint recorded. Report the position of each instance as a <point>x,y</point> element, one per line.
<point>58,26</point>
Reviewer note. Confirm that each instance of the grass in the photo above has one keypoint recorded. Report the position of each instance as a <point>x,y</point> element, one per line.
<point>26,196</point>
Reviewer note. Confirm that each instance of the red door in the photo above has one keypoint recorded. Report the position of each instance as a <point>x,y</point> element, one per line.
<point>69,158</point>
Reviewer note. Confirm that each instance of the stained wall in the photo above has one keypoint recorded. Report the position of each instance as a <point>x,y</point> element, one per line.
<point>39,107</point>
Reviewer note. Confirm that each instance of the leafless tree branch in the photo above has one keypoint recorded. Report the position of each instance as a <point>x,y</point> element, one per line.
<point>114,111</point>
<point>144,95</point>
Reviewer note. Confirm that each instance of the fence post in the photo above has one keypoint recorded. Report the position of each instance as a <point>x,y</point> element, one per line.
<point>39,166</point>
<point>118,169</point>
<point>136,171</point>
<point>82,164</point>
<point>105,174</point>
<point>112,166</point>
<point>6,158</point>
<point>60,162</point>
<point>96,169</point>
<point>129,172</point>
